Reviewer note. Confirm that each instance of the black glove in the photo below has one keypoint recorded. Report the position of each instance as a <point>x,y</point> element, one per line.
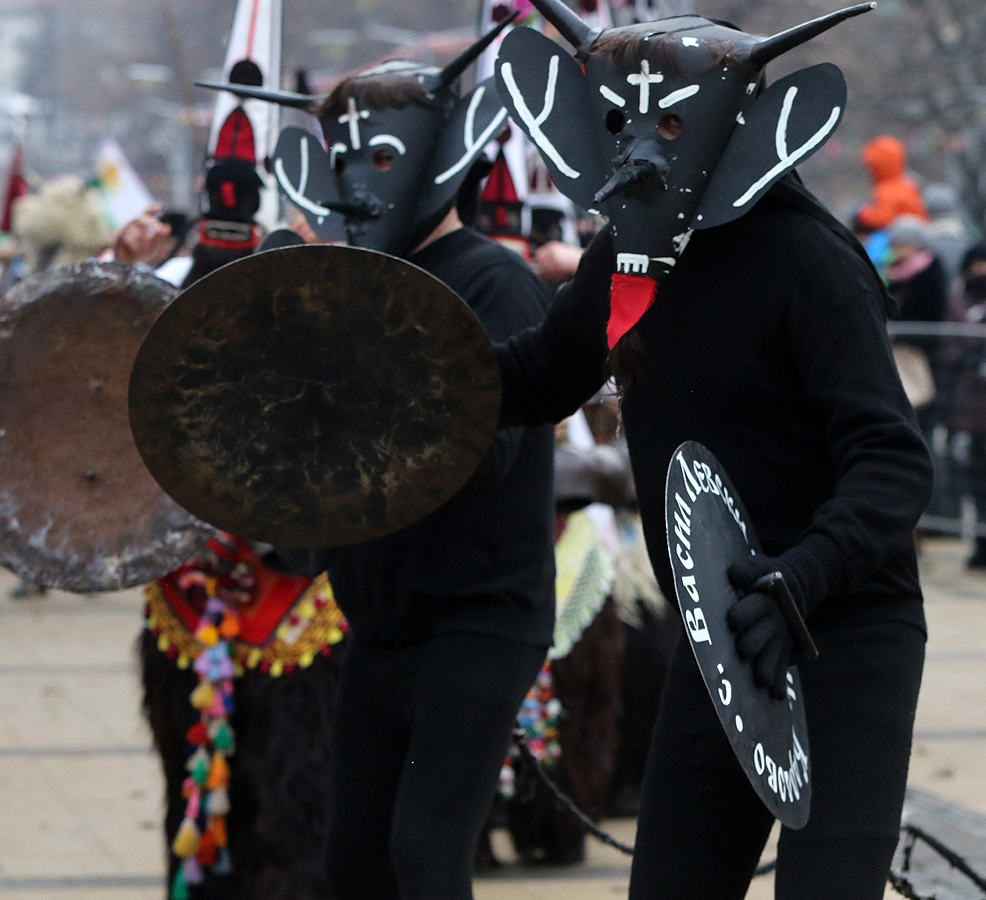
<point>762,633</point>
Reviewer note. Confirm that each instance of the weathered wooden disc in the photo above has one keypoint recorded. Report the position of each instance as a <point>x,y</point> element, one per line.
<point>78,509</point>
<point>315,396</point>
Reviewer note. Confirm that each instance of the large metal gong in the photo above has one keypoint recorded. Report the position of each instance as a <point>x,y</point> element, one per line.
<point>78,509</point>
<point>315,396</point>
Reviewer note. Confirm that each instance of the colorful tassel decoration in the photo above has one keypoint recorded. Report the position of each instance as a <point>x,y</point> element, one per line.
<point>179,887</point>
<point>200,774</point>
<point>199,756</point>
<point>194,803</point>
<point>203,696</point>
<point>223,739</point>
<point>217,803</point>
<point>217,828</point>
<point>186,842</point>
<point>218,774</point>
<point>192,871</point>
<point>229,627</point>
<point>215,651</point>
<point>224,865</point>
<point>207,850</point>
<point>218,708</point>
<point>208,635</point>
<point>197,735</point>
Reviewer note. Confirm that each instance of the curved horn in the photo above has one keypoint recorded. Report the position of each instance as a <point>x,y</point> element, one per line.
<point>772,47</point>
<point>569,25</point>
<point>458,65</point>
<point>281,98</point>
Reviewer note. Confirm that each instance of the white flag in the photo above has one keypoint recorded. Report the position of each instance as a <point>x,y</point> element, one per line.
<point>124,194</point>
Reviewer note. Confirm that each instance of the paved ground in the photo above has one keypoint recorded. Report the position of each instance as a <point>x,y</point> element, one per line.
<point>80,791</point>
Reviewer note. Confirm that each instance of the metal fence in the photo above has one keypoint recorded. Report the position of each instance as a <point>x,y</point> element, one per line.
<point>951,412</point>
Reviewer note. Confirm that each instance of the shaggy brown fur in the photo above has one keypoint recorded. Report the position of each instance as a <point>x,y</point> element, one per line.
<point>279,790</point>
<point>648,649</point>
<point>588,683</point>
<point>610,687</point>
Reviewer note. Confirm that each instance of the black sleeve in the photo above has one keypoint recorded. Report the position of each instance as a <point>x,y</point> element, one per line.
<point>506,297</point>
<point>549,371</point>
<point>882,467</point>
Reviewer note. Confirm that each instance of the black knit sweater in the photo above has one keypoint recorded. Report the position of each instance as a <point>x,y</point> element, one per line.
<point>767,343</point>
<point>484,562</point>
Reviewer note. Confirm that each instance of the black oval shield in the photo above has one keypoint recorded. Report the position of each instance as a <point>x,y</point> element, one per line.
<point>709,530</point>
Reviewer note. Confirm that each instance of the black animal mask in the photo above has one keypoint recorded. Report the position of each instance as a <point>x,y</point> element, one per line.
<point>391,169</point>
<point>663,128</point>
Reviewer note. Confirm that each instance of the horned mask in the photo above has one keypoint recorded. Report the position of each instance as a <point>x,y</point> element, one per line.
<point>389,168</point>
<point>664,128</point>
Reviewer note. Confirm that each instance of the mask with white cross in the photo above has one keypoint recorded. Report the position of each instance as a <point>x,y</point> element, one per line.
<point>664,127</point>
<point>397,142</point>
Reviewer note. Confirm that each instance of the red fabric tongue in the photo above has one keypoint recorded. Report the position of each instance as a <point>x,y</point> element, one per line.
<point>630,296</point>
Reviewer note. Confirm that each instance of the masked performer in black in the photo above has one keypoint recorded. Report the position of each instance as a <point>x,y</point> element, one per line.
<point>741,315</point>
<point>450,618</point>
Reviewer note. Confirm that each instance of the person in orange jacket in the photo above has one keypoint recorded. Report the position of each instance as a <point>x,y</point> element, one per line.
<point>894,194</point>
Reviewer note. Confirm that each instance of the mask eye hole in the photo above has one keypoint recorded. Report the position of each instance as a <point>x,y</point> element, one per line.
<point>383,160</point>
<point>670,127</point>
<point>340,165</point>
<point>615,121</point>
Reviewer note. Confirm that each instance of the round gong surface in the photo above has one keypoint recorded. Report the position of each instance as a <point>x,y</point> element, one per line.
<point>315,396</point>
<point>78,509</point>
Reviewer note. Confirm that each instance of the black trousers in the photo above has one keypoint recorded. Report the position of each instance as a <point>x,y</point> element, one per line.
<point>701,828</point>
<point>421,733</point>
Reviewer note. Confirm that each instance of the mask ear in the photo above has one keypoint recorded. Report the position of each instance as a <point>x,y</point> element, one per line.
<point>304,174</point>
<point>784,126</point>
<point>547,95</point>
<point>476,120</point>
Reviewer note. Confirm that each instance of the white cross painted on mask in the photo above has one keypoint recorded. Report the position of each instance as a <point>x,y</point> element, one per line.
<point>644,80</point>
<point>352,118</point>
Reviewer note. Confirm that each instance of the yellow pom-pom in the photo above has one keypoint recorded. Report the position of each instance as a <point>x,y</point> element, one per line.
<point>253,660</point>
<point>334,636</point>
<point>306,609</point>
<point>306,660</point>
<point>277,668</point>
<point>184,660</point>
<point>208,635</point>
<point>187,840</point>
<point>163,643</point>
<point>203,696</point>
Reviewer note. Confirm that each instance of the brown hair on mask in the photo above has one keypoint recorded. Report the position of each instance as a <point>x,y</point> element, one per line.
<point>627,48</point>
<point>382,90</point>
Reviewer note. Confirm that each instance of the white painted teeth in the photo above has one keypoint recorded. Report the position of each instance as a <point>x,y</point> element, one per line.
<point>632,263</point>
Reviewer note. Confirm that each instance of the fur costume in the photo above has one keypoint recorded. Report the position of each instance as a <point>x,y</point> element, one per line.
<point>62,224</point>
<point>252,826</point>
